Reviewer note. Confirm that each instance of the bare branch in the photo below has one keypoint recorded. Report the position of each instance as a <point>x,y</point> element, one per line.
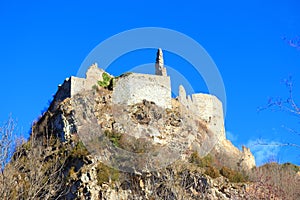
<point>291,130</point>
<point>29,170</point>
<point>277,144</point>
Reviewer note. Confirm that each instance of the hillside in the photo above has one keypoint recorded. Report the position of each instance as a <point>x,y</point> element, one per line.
<point>106,137</point>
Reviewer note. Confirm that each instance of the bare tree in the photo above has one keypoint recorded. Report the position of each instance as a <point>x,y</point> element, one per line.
<point>31,170</point>
<point>287,105</point>
<point>8,141</point>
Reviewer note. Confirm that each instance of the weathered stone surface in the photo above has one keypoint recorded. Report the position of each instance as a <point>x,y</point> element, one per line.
<point>232,157</point>
<point>206,107</point>
<point>159,65</point>
<point>134,88</point>
<point>93,75</point>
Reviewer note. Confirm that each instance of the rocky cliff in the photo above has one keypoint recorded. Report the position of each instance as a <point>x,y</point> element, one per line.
<point>106,137</point>
<point>138,139</point>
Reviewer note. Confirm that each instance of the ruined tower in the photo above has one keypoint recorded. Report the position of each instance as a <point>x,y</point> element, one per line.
<point>159,65</point>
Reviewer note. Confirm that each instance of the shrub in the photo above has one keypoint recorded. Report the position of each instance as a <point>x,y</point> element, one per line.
<point>136,145</point>
<point>72,173</point>
<point>107,81</point>
<point>205,161</point>
<point>79,150</point>
<point>114,137</point>
<point>291,166</point>
<point>94,87</point>
<point>212,172</point>
<point>232,175</point>
<point>106,174</point>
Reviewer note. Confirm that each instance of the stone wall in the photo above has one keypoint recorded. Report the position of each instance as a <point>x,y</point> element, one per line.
<point>207,107</point>
<point>93,75</point>
<point>74,85</point>
<point>134,88</point>
<point>77,85</point>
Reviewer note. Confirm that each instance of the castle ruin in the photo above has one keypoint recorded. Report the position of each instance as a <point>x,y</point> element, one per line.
<point>133,88</point>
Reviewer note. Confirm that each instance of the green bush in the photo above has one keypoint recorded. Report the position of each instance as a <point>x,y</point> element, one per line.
<point>203,162</point>
<point>107,81</point>
<point>232,175</point>
<point>114,137</point>
<point>106,174</point>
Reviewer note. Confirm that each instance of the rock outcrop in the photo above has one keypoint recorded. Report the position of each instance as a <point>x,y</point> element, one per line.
<point>139,139</point>
<point>106,137</point>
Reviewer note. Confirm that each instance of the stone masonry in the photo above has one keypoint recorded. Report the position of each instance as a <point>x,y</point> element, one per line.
<point>206,107</point>
<point>134,88</point>
<point>75,85</point>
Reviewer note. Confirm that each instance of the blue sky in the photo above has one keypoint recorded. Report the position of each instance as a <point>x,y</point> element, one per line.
<point>43,42</point>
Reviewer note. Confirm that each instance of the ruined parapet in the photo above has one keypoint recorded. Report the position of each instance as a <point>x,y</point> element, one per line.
<point>182,96</point>
<point>69,88</point>
<point>229,155</point>
<point>184,99</point>
<point>210,109</point>
<point>93,75</point>
<point>74,85</point>
<point>134,88</point>
<point>159,65</point>
<point>207,108</point>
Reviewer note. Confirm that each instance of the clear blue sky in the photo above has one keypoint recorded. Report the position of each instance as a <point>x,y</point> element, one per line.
<point>43,42</point>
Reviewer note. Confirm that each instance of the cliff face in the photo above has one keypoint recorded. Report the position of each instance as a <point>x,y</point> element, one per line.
<point>169,130</point>
<point>106,137</point>
<point>137,149</point>
<point>104,172</point>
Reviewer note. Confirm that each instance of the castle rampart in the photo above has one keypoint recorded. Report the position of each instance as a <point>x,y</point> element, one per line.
<point>74,85</point>
<point>207,107</point>
<point>134,88</point>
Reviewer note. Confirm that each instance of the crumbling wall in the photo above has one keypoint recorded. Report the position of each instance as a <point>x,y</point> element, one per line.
<point>93,75</point>
<point>77,85</point>
<point>134,88</point>
<point>207,107</point>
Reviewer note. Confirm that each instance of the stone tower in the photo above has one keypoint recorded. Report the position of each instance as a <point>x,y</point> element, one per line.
<point>159,65</point>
